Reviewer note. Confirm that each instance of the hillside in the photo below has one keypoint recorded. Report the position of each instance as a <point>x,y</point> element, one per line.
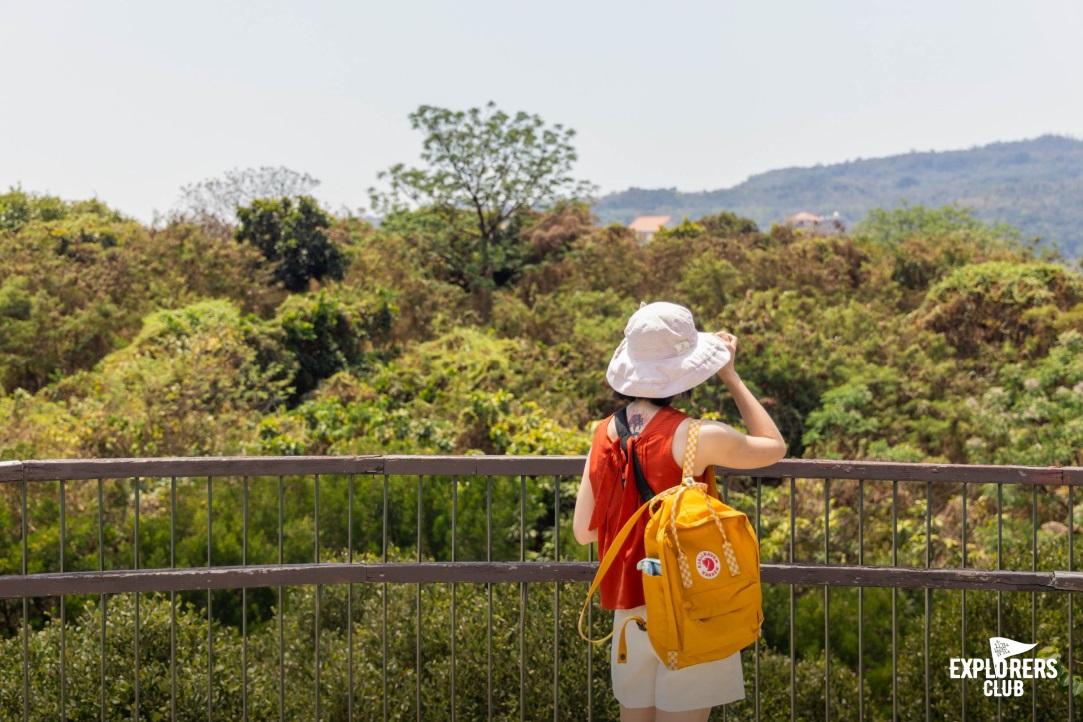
<point>1035,185</point>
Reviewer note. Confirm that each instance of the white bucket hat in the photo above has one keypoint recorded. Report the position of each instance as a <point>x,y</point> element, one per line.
<point>662,354</point>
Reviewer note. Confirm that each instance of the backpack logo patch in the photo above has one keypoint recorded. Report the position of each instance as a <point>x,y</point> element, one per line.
<point>708,564</point>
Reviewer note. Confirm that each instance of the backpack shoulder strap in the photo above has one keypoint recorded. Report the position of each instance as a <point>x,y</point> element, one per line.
<point>690,443</point>
<point>603,567</point>
<point>689,460</point>
<point>625,432</point>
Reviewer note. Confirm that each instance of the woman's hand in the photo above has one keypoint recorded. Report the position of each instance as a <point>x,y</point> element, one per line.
<point>728,371</point>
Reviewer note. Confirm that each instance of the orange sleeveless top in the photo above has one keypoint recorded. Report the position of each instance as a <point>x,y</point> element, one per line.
<point>614,502</point>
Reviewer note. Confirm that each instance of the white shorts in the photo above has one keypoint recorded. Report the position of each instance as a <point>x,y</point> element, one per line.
<point>643,681</point>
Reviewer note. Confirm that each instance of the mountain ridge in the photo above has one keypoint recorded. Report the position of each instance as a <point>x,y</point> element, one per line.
<point>1035,185</point>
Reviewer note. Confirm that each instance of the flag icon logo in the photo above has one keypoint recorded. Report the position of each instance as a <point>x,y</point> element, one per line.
<point>1002,648</point>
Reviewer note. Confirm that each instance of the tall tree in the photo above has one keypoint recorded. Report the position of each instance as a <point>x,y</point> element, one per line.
<point>291,234</point>
<point>490,163</point>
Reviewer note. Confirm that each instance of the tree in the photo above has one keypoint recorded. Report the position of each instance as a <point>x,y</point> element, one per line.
<point>892,227</point>
<point>726,224</point>
<point>289,232</point>
<point>998,310</point>
<point>327,332</point>
<point>219,198</point>
<point>490,163</point>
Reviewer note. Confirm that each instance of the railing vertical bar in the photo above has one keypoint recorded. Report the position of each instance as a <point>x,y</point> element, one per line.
<point>349,599</point>
<point>894,601</point>
<point>63,611</point>
<point>135,561</point>
<point>522,599</point>
<point>756,659</point>
<point>210,601</point>
<point>281,608</point>
<point>827,600</point>
<point>383,602</point>
<point>590,650</point>
<point>962,628</point>
<point>489,592</point>
<point>1034,595</point>
<point>102,599</point>
<point>26,659</point>
<point>861,602</point>
<point>928,592</point>
<point>26,607</point>
<point>793,625</point>
<point>319,589</point>
<point>1000,565</point>
<point>244,600</point>
<point>417,626</point>
<point>556,601</point>
<point>454,586</point>
<point>173,600</point>
<point>1071,631</point>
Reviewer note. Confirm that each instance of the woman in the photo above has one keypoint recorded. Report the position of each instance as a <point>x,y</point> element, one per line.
<point>661,357</point>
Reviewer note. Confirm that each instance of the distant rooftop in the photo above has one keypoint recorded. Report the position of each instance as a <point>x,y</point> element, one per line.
<point>648,224</point>
<point>804,217</point>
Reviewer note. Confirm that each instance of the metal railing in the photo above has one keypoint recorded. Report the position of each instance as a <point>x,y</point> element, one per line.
<point>743,488</point>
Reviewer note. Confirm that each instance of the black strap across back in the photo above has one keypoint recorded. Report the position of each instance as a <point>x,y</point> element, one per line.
<point>624,431</point>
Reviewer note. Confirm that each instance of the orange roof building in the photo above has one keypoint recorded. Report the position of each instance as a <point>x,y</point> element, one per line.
<point>646,226</point>
<point>804,219</point>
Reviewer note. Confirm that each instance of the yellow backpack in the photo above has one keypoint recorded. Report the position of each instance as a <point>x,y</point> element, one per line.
<point>707,602</point>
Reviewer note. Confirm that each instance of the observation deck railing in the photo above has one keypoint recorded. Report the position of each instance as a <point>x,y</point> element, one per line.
<point>821,523</point>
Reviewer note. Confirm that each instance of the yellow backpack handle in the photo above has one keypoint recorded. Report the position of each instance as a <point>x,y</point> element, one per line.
<point>622,535</point>
<point>688,482</point>
<point>690,451</point>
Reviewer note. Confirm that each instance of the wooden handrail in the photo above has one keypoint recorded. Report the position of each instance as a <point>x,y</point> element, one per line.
<point>269,575</point>
<point>55,469</point>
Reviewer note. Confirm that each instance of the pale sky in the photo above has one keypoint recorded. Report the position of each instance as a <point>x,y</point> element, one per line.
<point>128,101</point>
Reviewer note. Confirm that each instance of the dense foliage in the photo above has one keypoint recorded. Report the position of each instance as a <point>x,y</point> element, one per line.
<point>926,336</point>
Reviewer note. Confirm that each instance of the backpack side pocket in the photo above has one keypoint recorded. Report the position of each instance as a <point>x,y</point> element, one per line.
<point>661,625</point>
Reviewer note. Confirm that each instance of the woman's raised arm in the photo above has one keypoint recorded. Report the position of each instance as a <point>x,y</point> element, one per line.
<point>724,445</point>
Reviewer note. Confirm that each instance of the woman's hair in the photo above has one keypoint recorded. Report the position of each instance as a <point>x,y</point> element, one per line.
<point>659,402</point>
